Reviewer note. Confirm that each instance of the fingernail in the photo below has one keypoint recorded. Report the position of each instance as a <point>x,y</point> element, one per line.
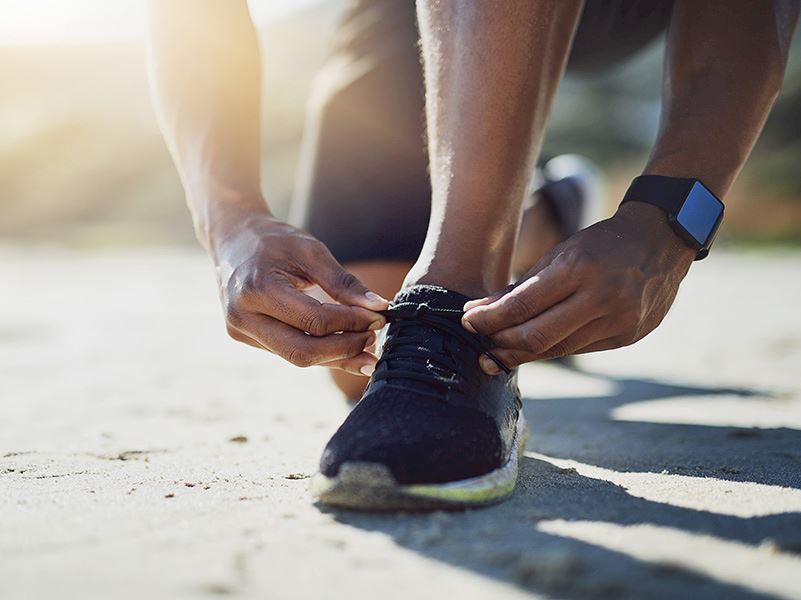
<point>488,366</point>
<point>469,326</point>
<point>375,300</point>
<point>473,303</point>
<point>367,370</point>
<point>376,325</point>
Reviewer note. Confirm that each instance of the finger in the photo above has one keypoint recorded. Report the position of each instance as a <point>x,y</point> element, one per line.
<point>286,303</point>
<point>601,345</point>
<point>362,364</point>
<point>342,286</point>
<point>305,350</point>
<point>488,299</point>
<point>544,261</point>
<point>238,336</point>
<point>615,339</point>
<point>527,300</point>
<point>549,329</point>
<point>591,333</point>
<point>511,358</point>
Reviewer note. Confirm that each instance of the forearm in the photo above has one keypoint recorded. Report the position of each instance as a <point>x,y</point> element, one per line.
<point>723,70</point>
<point>205,70</point>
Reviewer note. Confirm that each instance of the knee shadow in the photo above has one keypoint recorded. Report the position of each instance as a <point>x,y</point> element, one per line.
<point>504,542</point>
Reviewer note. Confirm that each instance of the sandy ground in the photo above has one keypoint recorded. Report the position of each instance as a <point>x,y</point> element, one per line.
<point>144,455</point>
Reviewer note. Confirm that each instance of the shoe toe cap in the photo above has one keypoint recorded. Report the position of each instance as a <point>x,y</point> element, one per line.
<point>419,439</point>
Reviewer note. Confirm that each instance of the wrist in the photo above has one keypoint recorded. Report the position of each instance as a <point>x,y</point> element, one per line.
<point>652,222</point>
<point>222,220</point>
<point>717,178</point>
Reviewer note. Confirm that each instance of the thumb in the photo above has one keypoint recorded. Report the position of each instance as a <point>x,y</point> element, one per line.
<point>538,266</point>
<point>488,299</point>
<point>344,287</point>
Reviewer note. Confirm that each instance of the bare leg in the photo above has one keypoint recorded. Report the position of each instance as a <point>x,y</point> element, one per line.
<point>363,186</point>
<point>345,128</point>
<point>491,71</point>
<point>539,232</point>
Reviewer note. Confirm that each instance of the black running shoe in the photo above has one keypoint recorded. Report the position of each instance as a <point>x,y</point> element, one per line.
<point>432,430</point>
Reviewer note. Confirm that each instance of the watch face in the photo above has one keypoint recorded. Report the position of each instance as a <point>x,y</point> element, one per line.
<point>700,214</point>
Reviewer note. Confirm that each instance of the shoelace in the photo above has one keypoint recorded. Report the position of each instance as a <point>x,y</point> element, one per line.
<point>400,346</point>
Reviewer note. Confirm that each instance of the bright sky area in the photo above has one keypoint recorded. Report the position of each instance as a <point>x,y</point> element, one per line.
<point>79,21</point>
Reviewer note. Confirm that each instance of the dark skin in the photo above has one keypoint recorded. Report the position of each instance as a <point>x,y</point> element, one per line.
<point>205,71</point>
<point>604,287</point>
<point>611,284</point>
<point>483,140</point>
<point>205,68</point>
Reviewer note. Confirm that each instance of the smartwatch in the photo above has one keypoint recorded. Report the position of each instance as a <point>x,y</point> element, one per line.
<point>692,210</point>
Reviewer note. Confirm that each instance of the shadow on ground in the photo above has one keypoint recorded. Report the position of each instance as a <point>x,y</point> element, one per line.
<point>581,429</point>
<point>504,542</point>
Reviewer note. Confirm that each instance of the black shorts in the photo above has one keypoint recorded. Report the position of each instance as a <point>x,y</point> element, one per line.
<point>363,186</point>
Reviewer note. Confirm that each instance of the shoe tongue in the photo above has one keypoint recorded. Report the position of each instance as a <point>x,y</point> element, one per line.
<point>433,296</point>
<point>430,340</point>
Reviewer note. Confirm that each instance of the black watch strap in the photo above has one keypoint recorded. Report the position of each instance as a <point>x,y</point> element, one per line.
<point>691,209</point>
<point>667,193</point>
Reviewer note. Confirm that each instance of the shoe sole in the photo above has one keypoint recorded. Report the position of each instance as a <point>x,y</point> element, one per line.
<point>371,487</point>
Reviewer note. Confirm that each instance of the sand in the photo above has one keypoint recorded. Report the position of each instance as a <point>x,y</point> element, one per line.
<point>145,455</point>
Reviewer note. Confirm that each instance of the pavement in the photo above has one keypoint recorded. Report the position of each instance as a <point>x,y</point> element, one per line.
<point>143,454</point>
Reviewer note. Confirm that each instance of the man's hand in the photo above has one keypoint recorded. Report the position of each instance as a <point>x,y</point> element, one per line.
<point>608,286</point>
<point>263,266</point>
<point>206,74</point>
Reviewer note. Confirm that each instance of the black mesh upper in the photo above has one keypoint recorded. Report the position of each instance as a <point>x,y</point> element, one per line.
<point>428,433</point>
<point>419,439</point>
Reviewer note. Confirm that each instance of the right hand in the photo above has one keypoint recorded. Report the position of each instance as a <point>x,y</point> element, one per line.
<point>263,267</point>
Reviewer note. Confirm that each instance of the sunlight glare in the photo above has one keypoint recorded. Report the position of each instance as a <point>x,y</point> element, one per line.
<point>26,22</point>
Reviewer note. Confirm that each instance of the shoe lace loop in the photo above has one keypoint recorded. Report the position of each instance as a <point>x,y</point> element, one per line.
<point>400,346</point>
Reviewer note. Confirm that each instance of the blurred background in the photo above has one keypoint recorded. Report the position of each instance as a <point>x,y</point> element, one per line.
<point>82,162</point>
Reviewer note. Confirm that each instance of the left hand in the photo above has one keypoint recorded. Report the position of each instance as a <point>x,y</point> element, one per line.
<point>607,286</point>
